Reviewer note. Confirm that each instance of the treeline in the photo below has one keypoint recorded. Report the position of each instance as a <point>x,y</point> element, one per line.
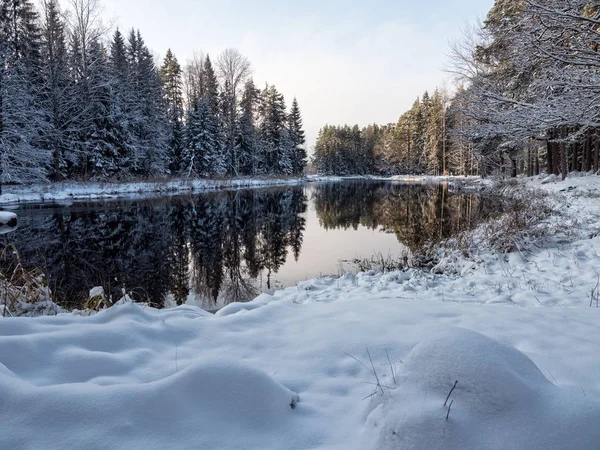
<point>527,103</point>
<point>419,143</point>
<point>76,104</point>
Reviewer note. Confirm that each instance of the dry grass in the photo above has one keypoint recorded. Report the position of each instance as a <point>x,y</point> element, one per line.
<point>23,292</point>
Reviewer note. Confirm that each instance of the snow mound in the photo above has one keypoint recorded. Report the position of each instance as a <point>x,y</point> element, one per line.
<point>237,307</point>
<point>502,400</point>
<point>8,218</point>
<point>205,403</point>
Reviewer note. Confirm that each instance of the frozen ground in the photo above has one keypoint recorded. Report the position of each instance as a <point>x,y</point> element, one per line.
<point>363,362</point>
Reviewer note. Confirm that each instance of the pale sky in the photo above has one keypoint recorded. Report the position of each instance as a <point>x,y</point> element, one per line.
<point>346,62</point>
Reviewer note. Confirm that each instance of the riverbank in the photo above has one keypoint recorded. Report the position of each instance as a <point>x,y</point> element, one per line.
<point>372,361</point>
<point>65,192</point>
<point>70,191</point>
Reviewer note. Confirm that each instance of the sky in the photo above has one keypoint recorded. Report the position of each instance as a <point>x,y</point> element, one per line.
<point>355,62</point>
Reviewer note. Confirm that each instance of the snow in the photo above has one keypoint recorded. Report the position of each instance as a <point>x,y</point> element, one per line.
<point>8,218</point>
<point>299,369</point>
<point>498,390</point>
<point>69,191</point>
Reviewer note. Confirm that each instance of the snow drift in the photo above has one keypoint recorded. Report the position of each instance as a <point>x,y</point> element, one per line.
<point>501,401</point>
<point>97,403</point>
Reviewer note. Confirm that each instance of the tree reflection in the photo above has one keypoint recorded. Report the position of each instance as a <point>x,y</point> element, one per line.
<point>417,214</point>
<point>220,247</point>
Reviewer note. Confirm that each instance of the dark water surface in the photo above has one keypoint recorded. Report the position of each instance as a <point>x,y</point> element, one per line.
<point>214,248</point>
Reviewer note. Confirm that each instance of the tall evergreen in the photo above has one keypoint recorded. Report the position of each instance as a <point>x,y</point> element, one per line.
<point>22,157</point>
<point>246,139</point>
<point>148,119</point>
<point>171,77</point>
<point>297,139</point>
<point>56,100</point>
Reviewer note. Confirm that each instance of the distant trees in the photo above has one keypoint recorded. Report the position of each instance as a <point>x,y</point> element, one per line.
<point>78,104</point>
<point>528,100</point>
<point>419,143</point>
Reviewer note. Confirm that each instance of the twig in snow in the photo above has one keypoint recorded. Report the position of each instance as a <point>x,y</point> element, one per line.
<point>449,407</point>
<point>391,367</point>
<point>450,393</point>
<point>375,372</point>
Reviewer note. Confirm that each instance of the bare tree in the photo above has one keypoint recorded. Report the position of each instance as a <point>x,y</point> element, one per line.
<point>233,69</point>
<point>193,79</point>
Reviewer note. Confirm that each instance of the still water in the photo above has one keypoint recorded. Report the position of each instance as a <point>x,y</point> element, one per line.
<point>214,248</point>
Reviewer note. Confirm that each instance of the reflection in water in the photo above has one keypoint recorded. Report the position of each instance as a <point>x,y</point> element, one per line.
<point>212,249</point>
<point>416,214</point>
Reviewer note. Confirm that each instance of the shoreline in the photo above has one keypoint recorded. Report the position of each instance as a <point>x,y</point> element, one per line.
<point>65,192</point>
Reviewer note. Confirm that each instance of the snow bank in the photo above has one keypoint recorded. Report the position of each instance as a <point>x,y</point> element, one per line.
<point>68,191</point>
<point>8,218</point>
<point>500,393</point>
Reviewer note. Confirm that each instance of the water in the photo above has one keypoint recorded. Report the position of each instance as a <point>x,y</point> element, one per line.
<point>215,248</point>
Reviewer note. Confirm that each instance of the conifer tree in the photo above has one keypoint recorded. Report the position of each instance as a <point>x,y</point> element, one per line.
<point>22,157</point>
<point>171,77</point>
<point>246,139</point>
<point>56,99</point>
<point>297,139</point>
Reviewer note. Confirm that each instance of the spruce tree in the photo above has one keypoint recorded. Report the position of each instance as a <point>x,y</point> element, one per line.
<point>22,121</point>
<point>147,118</point>
<point>297,139</point>
<point>246,139</point>
<point>56,99</point>
<point>171,77</point>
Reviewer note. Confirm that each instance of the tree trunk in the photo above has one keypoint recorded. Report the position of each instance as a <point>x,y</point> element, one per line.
<point>574,156</point>
<point>563,156</point>
<point>537,160</point>
<point>586,152</point>
<point>549,154</point>
<point>556,158</point>
<point>596,151</point>
<point>513,172</point>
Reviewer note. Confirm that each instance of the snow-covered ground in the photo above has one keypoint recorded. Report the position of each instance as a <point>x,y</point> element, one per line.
<point>68,191</point>
<point>60,192</point>
<point>359,362</point>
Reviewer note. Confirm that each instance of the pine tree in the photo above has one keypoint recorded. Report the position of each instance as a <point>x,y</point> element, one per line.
<point>22,121</point>
<point>274,137</point>
<point>297,139</point>
<point>147,117</point>
<point>56,100</point>
<point>171,77</point>
<point>246,139</point>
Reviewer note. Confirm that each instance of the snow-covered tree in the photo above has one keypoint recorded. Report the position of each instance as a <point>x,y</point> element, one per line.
<point>171,77</point>
<point>297,138</point>
<point>22,157</point>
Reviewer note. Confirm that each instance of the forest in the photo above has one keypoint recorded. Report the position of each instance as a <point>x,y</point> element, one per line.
<point>526,102</point>
<point>79,102</point>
